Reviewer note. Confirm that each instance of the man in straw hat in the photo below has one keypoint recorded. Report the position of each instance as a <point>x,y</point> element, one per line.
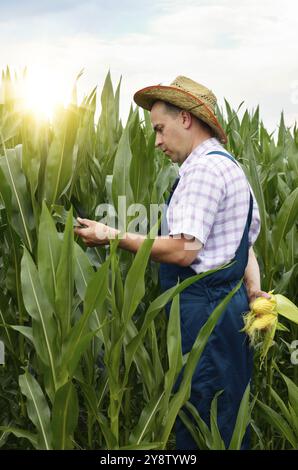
<point>212,219</point>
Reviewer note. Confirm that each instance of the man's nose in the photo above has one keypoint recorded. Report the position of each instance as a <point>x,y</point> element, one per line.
<point>158,140</point>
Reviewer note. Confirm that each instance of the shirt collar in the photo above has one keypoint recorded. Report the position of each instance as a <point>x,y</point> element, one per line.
<point>204,147</point>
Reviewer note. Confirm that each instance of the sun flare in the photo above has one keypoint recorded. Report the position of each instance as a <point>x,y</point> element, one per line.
<point>42,92</point>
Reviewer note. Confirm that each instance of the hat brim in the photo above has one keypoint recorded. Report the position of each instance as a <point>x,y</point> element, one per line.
<point>146,97</point>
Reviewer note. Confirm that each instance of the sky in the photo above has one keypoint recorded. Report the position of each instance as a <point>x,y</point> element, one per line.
<point>242,50</point>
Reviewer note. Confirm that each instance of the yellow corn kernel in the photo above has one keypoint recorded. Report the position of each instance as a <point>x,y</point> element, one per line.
<point>262,306</point>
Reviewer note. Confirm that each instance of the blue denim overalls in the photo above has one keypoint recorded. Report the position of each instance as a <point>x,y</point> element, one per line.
<point>226,362</point>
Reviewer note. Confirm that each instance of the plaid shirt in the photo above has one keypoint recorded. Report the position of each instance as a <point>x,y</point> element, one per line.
<point>211,203</point>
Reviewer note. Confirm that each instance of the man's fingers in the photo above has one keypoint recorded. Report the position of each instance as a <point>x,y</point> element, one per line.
<point>265,294</point>
<point>262,293</point>
<point>79,231</point>
<point>257,294</point>
<point>82,232</point>
<point>84,221</point>
<point>253,295</point>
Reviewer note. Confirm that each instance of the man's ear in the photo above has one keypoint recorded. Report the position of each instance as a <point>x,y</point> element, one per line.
<point>186,118</point>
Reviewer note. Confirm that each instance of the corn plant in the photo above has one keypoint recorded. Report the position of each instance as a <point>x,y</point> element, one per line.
<point>91,358</point>
<point>282,415</point>
<point>63,356</point>
<point>270,164</point>
<point>209,438</point>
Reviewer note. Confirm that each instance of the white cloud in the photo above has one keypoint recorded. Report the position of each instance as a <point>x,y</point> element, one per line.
<point>242,50</point>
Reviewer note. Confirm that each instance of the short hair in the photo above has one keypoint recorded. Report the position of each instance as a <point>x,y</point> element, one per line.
<point>175,110</point>
<point>172,109</point>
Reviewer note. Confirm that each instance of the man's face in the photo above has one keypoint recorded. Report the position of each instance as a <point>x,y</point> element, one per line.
<point>170,135</point>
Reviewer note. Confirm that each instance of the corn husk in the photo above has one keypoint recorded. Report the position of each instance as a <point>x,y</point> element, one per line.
<point>263,306</point>
<point>262,322</point>
<point>286,308</point>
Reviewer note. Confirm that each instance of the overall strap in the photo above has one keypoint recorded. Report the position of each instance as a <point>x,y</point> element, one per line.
<point>224,154</point>
<point>173,189</point>
<point>163,227</point>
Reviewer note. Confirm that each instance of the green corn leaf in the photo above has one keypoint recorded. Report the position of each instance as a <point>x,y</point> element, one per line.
<point>77,340</point>
<point>10,125</point>
<point>282,406</point>
<point>25,331</point>
<point>136,351</point>
<point>242,421</point>
<point>279,423</point>
<point>21,433</point>
<point>92,403</point>
<point>293,163</point>
<point>156,355</point>
<point>61,157</point>
<point>139,169</point>
<point>217,442</point>
<point>97,289</point>
<point>69,367</point>
<point>5,191</point>
<point>164,180</point>
<point>286,279</point>
<point>65,279</point>
<point>19,205</point>
<point>174,348</point>
<point>65,416</point>
<point>146,420</point>
<point>117,283</point>
<point>294,419</point>
<point>292,391</point>
<point>201,433</point>
<point>83,270</point>
<point>39,308</point>
<point>34,135</point>
<point>286,217</point>
<point>49,249</point>
<point>134,288</point>
<point>286,308</point>
<point>193,431</point>
<point>8,340</point>
<point>258,192</point>
<point>121,173</point>
<point>281,131</point>
<point>38,409</point>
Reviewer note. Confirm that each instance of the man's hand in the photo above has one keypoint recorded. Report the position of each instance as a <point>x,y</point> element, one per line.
<point>254,293</point>
<point>95,233</point>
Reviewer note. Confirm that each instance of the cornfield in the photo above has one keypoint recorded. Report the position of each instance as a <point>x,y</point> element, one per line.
<point>90,357</point>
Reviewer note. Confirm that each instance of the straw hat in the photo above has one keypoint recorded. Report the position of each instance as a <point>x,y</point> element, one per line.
<point>188,95</point>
